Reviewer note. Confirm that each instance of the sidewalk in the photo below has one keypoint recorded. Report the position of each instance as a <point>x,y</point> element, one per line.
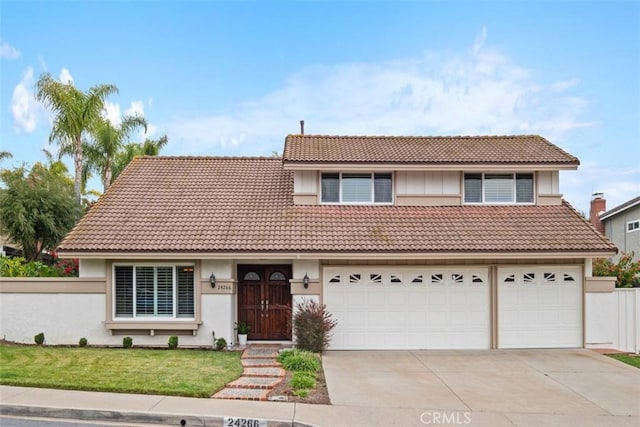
<point>167,410</point>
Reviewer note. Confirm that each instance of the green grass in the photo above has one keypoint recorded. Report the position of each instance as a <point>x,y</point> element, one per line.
<point>629,359</point>
<point>192,373</point>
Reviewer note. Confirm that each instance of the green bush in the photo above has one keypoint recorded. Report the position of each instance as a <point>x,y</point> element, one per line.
<point>299,360</point>
<point>19,267</point>
<point>173,342</point>
<point>221,344</point>
<point>83,342</point>
<point>312,325</point>
<point>303,380</point>
<point>626,271</point>
<point>127,342</point>
<point>39,338</point>
<point>301,393</point>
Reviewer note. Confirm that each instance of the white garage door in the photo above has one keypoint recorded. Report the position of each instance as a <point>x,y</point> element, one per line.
<point>408,308</point>
<point>540,307</point>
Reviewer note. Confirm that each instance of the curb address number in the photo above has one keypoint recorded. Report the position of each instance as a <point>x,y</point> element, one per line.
<point>244,422</point>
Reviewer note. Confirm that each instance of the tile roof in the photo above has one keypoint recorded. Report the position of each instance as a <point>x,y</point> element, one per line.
<point>620,208</point>
<point>209,204</point>
<point>519,149</point>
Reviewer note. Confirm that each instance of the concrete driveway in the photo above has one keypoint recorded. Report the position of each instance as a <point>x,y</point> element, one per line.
<point>576,384</point>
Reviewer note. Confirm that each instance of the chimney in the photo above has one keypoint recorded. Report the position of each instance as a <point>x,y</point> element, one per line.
<point>301,127</point>
<point>598,207</point>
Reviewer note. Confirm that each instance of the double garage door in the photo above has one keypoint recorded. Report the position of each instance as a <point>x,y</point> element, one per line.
<point>453,308</point>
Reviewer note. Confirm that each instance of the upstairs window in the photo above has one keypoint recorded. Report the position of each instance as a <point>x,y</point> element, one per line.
<point>357,188</point>
<point>633,225</point>
<point>498,188</point>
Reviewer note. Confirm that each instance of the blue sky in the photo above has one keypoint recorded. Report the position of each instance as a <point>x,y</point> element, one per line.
<point>234,78</point>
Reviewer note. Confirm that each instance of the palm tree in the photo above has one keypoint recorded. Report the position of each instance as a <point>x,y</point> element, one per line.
<point>108,141</point>
<point>75,113</point>
<point>150,147</point>
<point>5,155</point>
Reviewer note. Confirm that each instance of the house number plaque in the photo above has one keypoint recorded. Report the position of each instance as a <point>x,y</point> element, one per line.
<point>244,422</point>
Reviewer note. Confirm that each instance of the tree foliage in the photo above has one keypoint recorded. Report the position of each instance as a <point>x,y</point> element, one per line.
<point>37,206</point>
<point>76,112</point>
<point>626,271</point>
<point>108,141</point>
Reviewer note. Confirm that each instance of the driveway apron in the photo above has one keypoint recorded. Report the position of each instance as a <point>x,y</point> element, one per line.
<point>571,382</point>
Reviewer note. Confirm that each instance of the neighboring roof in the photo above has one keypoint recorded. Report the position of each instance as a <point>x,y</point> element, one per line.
<point>520,149</point>
<point>226,205</point>
<point>620,208</point>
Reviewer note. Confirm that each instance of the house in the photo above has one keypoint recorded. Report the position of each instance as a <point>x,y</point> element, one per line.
<point>411,242</point>
<point>621,224</point>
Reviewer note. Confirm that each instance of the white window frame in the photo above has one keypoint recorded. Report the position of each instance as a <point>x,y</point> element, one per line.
<point>155,317</point>
<point>633,226</point>
<point>372,178</point>
<point>513,179</point>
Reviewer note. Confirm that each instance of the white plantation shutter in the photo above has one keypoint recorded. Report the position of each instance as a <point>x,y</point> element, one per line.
<point>123,291</point>
<point>144,290</point>
<point>382,188</point>
<point>356,187</point>
<point>524,188</point>
<point>498,188</point>
<point>185,292</point>
<point>330,187</point>
<point>473,188</point>
<point>164,293</point>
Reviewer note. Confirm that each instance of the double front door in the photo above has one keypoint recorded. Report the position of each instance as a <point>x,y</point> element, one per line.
<point>264,300</point>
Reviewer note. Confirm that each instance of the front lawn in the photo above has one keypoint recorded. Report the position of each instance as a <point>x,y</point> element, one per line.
<point>192,373</point>
<point>629,359</point>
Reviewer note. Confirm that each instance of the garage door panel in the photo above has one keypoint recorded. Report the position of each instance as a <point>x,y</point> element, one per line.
<point>409,308</point>
<point>538,308</point>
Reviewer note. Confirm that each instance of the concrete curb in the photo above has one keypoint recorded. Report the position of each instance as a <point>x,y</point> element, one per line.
<point>126,416</point>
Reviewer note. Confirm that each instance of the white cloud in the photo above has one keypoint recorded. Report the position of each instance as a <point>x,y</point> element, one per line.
<point>481,91</point>
<point>24,108</point>
<point>563,85</point>
<point>135,109</point>
<point>66,77</point>
<point>112,112</point>
<point>7,51</point>
<point>619,184</point>
<point>480,40</point>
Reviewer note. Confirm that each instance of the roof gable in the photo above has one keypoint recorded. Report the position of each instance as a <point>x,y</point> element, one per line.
<point>524,149</point>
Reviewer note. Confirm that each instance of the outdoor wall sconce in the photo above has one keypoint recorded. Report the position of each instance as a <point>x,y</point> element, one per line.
<point>212,280</point>
<point>305,280</point>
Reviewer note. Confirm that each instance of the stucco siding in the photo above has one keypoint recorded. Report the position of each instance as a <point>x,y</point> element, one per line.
<point>615,228</point>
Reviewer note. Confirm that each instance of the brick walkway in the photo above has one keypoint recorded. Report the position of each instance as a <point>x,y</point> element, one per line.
<point>261,374</point>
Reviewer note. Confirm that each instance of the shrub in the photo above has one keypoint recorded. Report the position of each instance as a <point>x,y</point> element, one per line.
<point>301,393</point>
<point>127,342</point>
<point>625,270</point>
<point>19,267</point>
<point>39,339</point>
<point>312,325</point>
<point>173,342</point>
<point>83,342</point>
<point>221,344</point>
<point>303,380</point>
<point>299,360</point>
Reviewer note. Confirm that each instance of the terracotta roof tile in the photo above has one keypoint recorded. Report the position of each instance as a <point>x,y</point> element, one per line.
<point>519,149</point>
<point>208,204</point>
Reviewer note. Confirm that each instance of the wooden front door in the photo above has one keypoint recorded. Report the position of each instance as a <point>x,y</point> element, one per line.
<point>264,300</point>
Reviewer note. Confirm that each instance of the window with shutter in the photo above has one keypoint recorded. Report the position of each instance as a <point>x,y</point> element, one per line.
<point>357,188</point>
<point>153,291</point>
<point>498,188</point>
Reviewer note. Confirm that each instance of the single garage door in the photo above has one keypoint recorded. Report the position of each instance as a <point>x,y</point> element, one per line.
<point>540,307</point>
<point>408,308</point>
